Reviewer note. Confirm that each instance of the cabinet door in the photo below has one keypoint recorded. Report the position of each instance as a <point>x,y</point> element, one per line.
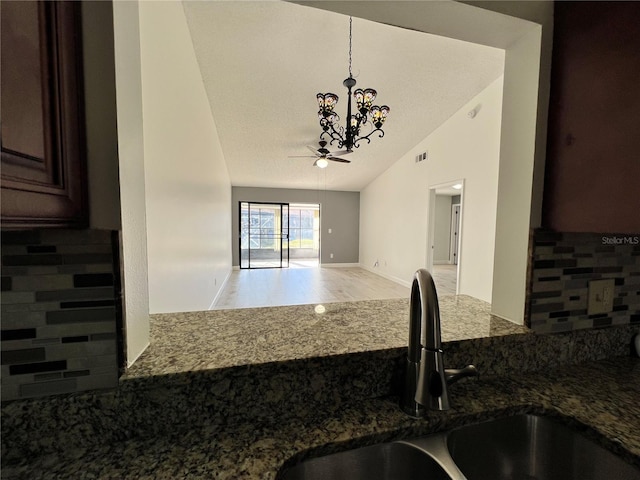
<point>43,153</point>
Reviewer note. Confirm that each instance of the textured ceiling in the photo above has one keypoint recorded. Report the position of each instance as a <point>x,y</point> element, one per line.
<point>263,63</point>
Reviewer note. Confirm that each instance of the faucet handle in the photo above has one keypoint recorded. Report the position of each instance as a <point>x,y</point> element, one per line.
<point>452,375</point>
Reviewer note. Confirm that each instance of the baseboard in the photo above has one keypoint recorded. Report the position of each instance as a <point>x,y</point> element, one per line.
<point>340,265</point>
<point>224,284</point>
<point>404,283</point>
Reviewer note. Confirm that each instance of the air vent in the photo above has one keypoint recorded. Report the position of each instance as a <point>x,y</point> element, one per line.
<point>421,157</point>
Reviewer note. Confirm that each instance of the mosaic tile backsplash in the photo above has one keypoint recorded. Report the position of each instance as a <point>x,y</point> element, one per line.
<point>565,263</point>
<point>58,312</point>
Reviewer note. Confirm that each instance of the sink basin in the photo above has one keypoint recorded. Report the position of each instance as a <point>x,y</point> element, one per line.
<point>522,447</point>
<point>530,447</point>
<point>386,461</point>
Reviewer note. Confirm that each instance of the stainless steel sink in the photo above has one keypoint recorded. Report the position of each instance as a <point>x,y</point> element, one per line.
<point>522,447</point>
<point>386,461</point>
<point>532,447</point>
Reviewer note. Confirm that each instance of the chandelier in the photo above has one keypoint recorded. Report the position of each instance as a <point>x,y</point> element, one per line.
<point>360,126</point>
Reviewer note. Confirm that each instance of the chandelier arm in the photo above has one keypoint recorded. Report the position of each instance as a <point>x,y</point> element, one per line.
<point>366,137</point>
<point>333,135</point>
<point>358,140</point>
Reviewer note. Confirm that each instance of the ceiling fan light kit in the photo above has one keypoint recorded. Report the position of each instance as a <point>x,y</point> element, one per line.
<point>367,114</point>
<point>321,163</point>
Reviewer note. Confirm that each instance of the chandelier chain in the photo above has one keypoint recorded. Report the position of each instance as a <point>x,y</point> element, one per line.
<point>350,36</point>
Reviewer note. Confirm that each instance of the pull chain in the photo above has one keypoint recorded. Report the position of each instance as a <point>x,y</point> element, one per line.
<point>350,27</point>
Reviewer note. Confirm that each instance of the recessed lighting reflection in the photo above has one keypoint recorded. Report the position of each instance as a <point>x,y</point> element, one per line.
<point>320,309</point>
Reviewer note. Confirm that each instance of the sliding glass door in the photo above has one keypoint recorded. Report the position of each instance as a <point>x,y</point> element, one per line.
<point>304,234</point>
<point>264,235</point>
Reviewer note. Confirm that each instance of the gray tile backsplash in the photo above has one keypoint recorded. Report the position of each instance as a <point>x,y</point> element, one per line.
<point>563,264</point>
<point>58,312</point>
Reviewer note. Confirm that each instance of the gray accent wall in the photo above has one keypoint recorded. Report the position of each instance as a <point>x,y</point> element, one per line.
<point>339,211</point>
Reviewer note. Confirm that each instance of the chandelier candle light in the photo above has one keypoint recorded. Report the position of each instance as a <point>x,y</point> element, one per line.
<point>367,114</point>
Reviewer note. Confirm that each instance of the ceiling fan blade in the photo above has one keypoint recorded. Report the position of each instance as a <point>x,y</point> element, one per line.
<point>342,152</point>
<point>302,156</point>
<point>337,159</point>
<point>313,149</point>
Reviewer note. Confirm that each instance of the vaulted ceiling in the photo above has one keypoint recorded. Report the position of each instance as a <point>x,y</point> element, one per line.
<point>263,63</point>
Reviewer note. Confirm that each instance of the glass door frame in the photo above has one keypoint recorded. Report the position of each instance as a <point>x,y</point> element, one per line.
<point>283,234</point>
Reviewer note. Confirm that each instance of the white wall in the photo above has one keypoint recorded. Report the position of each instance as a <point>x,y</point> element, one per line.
<point>515,195</point>
<point>132,182</point>
<point>394,207</point>
<point>188,191</point>
<point>442,227</point>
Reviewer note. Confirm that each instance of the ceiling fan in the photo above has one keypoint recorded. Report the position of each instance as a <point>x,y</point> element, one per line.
<point>322,155</point>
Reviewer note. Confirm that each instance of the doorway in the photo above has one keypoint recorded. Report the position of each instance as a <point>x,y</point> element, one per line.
<point>445,234</point>
<point>264,235</point>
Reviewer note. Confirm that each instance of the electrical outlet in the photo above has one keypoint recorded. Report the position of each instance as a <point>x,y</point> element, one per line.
<point>601,296</point>
<point>331,255</point>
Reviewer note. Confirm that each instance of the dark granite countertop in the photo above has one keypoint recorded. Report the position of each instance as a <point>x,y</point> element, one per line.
<point>600,398</point>
<point>206,400</point>
<point>216,339</point>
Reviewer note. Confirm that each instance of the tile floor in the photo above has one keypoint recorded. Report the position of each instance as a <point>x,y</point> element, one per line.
<point>298,286</point>
<point>445,278</point>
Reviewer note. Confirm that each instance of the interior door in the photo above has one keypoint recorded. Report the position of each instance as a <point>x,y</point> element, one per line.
<point>264,235</point>
<point>455,233</point>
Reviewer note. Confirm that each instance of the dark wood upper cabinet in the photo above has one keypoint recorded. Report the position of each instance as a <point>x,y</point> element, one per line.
<point>43,144</point>
<point>592,169</point>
